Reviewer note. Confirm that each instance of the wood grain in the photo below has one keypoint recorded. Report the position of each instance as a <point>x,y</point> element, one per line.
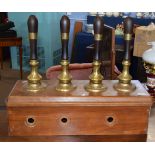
<point>11,41</point>
<point>79,113</point>
<point>5,138</point>
<point>89,138</point>
<point>79,121</point>
<point>78,97</point>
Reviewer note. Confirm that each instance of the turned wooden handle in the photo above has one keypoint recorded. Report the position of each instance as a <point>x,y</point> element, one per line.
<point>65,28</point>
<point>128,25</point>
<point>32,24</point>
<point>128,31</point>
<point>98,36</point>
<point>65,24</point>
<point>98,25</point>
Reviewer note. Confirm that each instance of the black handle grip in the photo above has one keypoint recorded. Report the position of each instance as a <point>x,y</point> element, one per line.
<point>128,31</point>
<point>64,28</point>
<point>65,24</point>
<point>98,36</point>
<point>98,25</point>
<point>128,25</point>
<point>32,24</point>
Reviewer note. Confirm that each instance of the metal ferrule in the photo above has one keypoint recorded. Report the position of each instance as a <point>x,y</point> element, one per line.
<point>64,36</point>
<point>127,36</point>
<point>98,37</point>
<point>32,36</point>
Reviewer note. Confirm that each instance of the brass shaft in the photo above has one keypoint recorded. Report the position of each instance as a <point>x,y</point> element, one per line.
<point>34,78</point>
<point>95,84</point>
<point>65,78</point>
<point>124,84</point>
<point>125,76</point>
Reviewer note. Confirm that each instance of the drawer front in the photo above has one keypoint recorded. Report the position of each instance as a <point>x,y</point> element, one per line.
<point>41,121</point>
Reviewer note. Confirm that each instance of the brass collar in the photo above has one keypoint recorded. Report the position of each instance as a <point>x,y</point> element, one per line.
<point>32,35</point>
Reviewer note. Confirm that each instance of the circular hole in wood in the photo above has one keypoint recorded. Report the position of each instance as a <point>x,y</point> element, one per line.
<point>64,120</point>
<point>110,119</point>
<point>30,121</point>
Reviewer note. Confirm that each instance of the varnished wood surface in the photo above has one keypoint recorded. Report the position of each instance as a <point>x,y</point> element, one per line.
<point>50,97</point>
<point>3,122</point>
<point>78,26</point>
<point>80,121</point>
<point>78,113</point>
<point>4,137</point>
<point>11,41</point>
<point>116,138</point>
<point>151,127</point>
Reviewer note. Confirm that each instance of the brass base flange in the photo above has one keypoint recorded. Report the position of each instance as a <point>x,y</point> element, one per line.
<point>91,87</point>
<point>65,79</point>
<point>35,87</point>
<point>34,83</point>
<point>95,84</point>
<point>65,87</point>
<point>123,87</point>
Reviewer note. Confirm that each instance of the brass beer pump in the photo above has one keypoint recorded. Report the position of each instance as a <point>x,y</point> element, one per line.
<point>95,84</point>
<point>34,78</point>
<point>64,78</point>
<point>124,84</point>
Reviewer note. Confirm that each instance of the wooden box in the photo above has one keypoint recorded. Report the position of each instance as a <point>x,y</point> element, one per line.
<point>79,115</point>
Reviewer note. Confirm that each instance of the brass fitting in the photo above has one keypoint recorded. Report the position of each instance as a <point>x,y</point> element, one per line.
<point>65,78</point>
<point>124,84</point>
<point>95,83</point>
<point>34,78</point>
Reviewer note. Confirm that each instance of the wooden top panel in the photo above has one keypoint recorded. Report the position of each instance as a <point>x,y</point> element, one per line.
<point>78,97</point>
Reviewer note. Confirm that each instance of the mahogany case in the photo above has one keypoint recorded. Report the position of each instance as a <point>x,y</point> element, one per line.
<point>78,113</point>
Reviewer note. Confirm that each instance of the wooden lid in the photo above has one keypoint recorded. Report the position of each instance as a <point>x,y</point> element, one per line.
<point>78,97</point>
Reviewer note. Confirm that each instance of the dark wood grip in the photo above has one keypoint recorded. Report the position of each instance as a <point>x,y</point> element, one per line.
<point>65,24</point>
<point>65,28</point>
<point>98,25</point>
<point>128,31</point>
<point>32,24</point>
<point>98,36</point>
<point>128,25</point>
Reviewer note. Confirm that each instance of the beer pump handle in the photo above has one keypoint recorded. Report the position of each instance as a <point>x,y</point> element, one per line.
<point>32,24</point>
<point>65,28</point>
<point>98,36</point>
<point>128,31</point>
